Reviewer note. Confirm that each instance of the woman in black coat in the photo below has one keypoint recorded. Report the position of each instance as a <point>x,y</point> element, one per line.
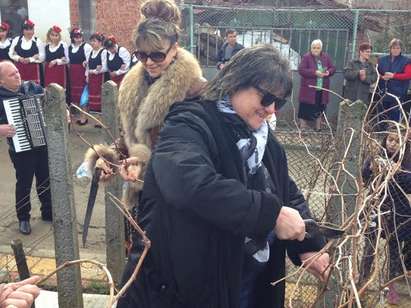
<point>218,204</point>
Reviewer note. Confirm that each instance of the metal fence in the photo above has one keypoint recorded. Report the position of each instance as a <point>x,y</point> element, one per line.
<point>292,30</point>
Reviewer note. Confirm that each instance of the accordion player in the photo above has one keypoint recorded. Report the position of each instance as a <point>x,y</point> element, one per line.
<point>25,113</point>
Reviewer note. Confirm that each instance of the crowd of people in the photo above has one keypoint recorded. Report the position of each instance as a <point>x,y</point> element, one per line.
<point>204,175</point>
<point>77,67</point>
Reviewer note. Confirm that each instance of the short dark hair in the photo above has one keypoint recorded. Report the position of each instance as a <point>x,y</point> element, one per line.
<point>260,66</point>
<point>364,46</point>
<point>230,31</point>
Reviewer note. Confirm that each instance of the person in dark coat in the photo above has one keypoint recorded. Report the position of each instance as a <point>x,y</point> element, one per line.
<point>29,163</point>
<point>315,69</point>
<point>229,48</point>
<point>388,67</point>
<point>360,74</point>
<point>217,197</point>
<point>395,209</point>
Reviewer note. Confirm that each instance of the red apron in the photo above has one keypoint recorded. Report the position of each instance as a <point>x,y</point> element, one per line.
<point>30,71</point>
<point>117,79</point>
<point>56,74</point>
<point>77,82</point>
<point>95,83</point>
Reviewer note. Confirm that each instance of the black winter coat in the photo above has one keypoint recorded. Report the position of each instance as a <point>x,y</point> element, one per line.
<point>197,210</point>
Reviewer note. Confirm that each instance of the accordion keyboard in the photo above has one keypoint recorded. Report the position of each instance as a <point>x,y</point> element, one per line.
<point>26,115</point>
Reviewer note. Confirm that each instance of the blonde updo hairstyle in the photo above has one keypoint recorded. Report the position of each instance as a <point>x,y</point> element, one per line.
<point>160,25</point>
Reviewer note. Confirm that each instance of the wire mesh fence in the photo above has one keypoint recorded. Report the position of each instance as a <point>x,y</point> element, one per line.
<point>291,30</point>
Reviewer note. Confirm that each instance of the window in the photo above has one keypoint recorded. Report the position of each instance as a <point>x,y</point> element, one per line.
<point>14,12</point>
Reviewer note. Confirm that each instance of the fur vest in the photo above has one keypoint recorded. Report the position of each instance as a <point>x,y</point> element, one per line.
<point>143,107</point>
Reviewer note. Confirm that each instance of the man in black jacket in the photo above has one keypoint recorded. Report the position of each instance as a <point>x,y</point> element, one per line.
<point>229,48</point>
<point>28,163</point>
<point>218,204</point>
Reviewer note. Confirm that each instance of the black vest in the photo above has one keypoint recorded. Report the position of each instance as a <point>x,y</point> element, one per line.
<point>77,57</point>
<point>94,62</point>
<point>34,50</point>
<point>58,54</point>
<point>4,52</point>
<point>116,62</point>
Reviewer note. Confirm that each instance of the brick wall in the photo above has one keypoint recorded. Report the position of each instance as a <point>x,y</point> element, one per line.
<point>118,18</point>
<point>74,13</point>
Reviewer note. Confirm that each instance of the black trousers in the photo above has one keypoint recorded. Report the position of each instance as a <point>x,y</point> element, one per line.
<point>28,164</point>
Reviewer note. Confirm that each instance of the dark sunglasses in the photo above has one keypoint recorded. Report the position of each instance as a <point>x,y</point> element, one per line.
<point>269,99</point>
<point>156,56</point>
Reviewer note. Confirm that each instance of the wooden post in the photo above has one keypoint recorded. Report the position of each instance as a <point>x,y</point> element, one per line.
<point>350,118</point>
<point>115,249</point>
<point>20,258</point>
<point>21,261</point>
<point>62,195</point>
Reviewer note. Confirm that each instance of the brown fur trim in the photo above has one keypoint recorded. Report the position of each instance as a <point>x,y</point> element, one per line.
<point>141,151</point>
<point>106,151</point>
<point>142,107</point>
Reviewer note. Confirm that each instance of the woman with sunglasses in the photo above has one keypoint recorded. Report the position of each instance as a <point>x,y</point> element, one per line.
<point>164,75</point>
<point>217,202</point>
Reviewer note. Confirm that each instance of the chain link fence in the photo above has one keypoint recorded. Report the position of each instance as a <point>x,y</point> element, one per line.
<point>309,158</point>
<point>291,30</point>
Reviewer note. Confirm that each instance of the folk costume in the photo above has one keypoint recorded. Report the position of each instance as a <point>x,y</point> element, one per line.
<point>77,56</point>
<point>5,44</point>
<point>56,73</point>
<point>31,49</point>
<point>23,48</point>
<point>4,49</point>
<point>118,63</point>
<point>96,78</point>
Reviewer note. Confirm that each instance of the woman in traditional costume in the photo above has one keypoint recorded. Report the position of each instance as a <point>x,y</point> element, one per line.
<point>118,60</point>
<point>5,41</point>
<point>56,58</point>
<point>28,52</point>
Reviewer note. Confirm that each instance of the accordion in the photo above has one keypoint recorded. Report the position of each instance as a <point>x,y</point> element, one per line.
<point>26,115</point>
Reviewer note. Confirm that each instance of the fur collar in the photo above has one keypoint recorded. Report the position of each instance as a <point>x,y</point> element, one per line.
<point>143,108</point>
